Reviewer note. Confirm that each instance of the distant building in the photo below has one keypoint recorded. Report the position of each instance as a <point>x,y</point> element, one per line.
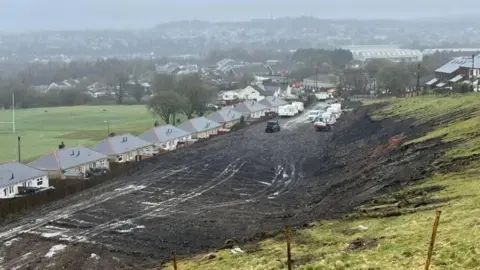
<point>460,69</point>
<point>394,53</point>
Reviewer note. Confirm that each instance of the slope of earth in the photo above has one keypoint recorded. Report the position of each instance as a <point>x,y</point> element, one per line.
<point>433,162</point>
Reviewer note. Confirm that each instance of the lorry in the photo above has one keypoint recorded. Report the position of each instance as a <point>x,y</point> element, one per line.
<point>299,106</point>
<point>335,112</point>
<point>322,96</point>
<point>287,110</point>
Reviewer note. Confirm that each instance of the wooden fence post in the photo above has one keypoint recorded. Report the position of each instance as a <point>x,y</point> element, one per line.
<point>174,258</point>
<point>288,232</point>
<point>432,240</point>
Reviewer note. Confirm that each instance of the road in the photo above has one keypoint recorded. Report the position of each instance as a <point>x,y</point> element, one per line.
<point>191,200</point>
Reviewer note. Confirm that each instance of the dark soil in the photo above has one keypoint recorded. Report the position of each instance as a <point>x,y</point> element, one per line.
<point>244,186</point>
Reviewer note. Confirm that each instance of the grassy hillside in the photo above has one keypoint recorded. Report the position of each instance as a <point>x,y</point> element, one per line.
<point>398,242</point>
<point>42,129</point>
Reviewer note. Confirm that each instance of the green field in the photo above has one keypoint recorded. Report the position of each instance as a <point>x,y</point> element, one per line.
<point>42,129</point>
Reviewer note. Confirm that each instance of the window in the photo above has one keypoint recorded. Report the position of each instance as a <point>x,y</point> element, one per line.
<point>10,189</point>
<point>5,192</point>
<point>39,181</point>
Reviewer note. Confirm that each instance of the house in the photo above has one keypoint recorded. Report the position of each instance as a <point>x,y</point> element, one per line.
<point>248,93</point>
<point>200,127</point>
<point>123,148</point>
<point>273,103</point>
<point>460,69</point>
<point>166,137</point>
<point>251,109</point>
<point>250,69</point>
<point>76,162</point>
<point>226,117</point>
<point>16,178</point>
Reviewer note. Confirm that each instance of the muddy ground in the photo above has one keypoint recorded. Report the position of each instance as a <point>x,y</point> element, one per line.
<point>233,187</point>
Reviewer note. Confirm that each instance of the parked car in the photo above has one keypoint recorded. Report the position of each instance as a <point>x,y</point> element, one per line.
<point>272,126</point>
<point>321,124</point>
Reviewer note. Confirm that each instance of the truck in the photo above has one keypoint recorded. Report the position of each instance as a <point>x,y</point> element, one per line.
<point>322,96</point>
<point>335,112</point>
<point>287,110</point>
<point>299,106</point>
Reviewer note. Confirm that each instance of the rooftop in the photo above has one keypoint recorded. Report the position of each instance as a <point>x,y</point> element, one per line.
<point>67,158</point>
<point>120,144</point>
<point>225,115</point>
<point>14,172</point>
<point>163,134</point>
<point>198,124</point>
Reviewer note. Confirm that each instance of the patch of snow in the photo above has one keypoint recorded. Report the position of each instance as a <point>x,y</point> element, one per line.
<point>26,255</point>
<point>237,251</point>
<point>140,227</point>
<point>94,256</point>
<point>265,183</point>
<point>133,187</point>
<point>53,250</point>
<point>362,228</point>
<point>10,242</point>
<point>151,203</point>
<point>50,235</point>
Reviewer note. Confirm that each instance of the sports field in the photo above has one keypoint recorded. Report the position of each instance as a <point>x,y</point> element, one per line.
<point>42,129</point>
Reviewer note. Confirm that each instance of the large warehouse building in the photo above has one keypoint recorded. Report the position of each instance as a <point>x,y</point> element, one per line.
<point>394,53</point>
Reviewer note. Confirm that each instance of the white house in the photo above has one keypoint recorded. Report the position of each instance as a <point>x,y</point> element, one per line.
<point>251,109</point>
<point>123,148</point>
<point>15,176</point>
<point>247,93</point>
<point>166,137</point>
<point>76,162</point>
<point>200,127</point>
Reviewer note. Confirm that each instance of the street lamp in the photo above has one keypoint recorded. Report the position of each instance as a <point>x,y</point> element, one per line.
<point>108,127</point>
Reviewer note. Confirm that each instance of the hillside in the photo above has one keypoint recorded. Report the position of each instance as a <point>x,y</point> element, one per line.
<point>430,161</point>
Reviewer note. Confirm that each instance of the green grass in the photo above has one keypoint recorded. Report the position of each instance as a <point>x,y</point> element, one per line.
<point>404,239</point>
<point>42,129</point>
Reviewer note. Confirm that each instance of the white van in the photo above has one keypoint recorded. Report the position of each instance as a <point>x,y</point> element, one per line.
<point>287,111</point>
<point>313,114</point>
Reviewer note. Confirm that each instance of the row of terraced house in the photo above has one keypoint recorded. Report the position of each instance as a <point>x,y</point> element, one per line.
<point>82,162</point>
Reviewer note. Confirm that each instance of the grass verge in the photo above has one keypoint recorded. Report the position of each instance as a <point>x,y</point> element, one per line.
<point>398,242</point>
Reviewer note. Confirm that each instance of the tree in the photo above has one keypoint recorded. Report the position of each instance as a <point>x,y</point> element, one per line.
<point>196,93</point>
<point>356,79</point>
<point>166,104</point>
<point>137,91</point>
<point>120,87</point>
<point>374,66</point>
<point>163,82</point>
<point>394,79</point>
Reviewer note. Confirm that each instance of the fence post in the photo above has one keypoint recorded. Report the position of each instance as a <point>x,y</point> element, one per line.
<point>288,231</point>
<point>174,258</point>
<point>432,240</point>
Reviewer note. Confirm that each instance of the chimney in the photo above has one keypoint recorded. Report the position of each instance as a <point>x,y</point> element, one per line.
<point>73,153</point>
<point>126,138</point>
<point>12,177</point>
<point>78,153</point>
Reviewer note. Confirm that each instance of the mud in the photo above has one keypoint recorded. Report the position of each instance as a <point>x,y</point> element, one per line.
<point>244,186</point>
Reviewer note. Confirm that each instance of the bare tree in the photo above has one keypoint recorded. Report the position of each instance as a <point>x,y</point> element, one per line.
<point>166,104</point>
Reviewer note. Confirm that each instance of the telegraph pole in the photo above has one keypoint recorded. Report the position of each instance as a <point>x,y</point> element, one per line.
<point>13,113</point>
<point>473,68</point>
<point>418,79</point>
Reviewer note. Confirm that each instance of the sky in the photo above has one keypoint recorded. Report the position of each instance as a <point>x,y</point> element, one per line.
<point>32,15</point>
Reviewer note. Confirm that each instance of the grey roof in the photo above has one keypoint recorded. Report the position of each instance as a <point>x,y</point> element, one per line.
<point>250,107</point>
<point>272,102</point>
<point>455,64</point>
<point>476,63</point>
<point>224,116</point>
<point>13,173</point>
<point>163,134</point>
<point>120,144</point>
<point>67,158</point>
<point>198,124</point>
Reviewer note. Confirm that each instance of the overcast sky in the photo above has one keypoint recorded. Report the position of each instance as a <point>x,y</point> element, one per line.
<point>27,15</point>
